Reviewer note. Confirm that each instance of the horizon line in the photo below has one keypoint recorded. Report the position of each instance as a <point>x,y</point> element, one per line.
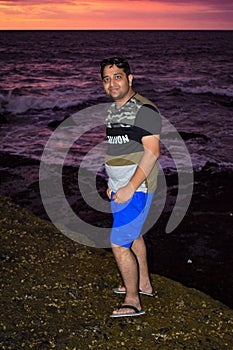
<point>120,29</point>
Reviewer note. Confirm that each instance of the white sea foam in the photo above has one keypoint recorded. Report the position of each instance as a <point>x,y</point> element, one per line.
<point>206,89</point>
<point>17,104</point>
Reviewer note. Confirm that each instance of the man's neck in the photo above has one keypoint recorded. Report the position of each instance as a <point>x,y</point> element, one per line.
<point>119,104</point>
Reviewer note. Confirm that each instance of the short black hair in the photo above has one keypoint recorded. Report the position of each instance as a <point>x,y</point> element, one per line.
<point>118,61</point>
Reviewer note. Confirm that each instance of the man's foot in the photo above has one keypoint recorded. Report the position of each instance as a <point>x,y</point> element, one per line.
<point>122,290</point>
<point>126,310</point>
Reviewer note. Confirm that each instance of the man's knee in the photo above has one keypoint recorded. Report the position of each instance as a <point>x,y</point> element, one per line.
<point>119,250</point>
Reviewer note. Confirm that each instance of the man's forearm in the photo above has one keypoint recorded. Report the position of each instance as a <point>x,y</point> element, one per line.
<point>143,170</point>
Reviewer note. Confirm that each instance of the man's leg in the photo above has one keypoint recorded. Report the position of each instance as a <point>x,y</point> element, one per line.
<point>139,249</point>
<point>128,268</point>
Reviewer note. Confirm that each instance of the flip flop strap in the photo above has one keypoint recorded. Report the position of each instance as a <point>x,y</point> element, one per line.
<point>125,306</point>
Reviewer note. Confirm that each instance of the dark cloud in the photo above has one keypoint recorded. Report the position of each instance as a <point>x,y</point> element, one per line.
<point>221,7</point>
<point>34,2</point>
<point>220,4</point>
<point>190,2</point>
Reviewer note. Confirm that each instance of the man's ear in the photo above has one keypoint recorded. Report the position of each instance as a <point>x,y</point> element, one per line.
<point>130,78</point>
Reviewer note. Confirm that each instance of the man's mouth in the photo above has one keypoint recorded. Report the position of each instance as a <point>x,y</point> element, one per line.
<point>113,90</point>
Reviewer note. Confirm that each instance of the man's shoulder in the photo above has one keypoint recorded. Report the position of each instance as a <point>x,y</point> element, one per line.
<point>143,101</point>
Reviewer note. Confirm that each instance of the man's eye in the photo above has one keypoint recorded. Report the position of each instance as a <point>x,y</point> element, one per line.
<point>106,80</point>
<point>117,77</point>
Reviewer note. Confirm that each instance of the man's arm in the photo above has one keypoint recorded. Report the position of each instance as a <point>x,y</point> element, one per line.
<point>151,153</point>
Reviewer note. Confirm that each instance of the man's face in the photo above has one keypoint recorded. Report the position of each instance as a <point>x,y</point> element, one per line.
<point>116,83</point>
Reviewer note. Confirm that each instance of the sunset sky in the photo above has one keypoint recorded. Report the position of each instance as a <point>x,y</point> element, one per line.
<point>112,14</point>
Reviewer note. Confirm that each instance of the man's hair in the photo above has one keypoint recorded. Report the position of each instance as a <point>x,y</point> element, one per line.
<point>118,61</point>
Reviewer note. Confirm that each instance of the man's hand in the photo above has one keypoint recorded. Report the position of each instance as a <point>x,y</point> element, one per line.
<point>150,155</point>
<point>109,193</point>
<point>124,194</point>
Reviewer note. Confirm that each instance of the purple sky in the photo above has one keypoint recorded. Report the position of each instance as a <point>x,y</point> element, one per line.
<point>116,14</point>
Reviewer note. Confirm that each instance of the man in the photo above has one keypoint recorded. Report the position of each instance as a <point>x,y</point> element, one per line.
<point>133,126</point>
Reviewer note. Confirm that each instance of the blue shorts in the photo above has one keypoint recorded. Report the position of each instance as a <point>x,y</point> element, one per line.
<point>128,218</point>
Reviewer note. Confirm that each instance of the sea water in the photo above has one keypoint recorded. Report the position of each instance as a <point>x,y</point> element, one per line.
<point>46,76</point>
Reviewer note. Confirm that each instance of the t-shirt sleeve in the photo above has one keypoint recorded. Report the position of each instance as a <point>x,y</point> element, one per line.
<point>148,120</point>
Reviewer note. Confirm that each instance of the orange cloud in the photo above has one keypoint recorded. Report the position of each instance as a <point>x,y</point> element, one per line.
<point>72,14</point>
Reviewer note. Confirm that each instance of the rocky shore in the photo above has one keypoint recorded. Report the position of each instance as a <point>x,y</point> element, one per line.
<point>57,294</point>
<point>198,253</point>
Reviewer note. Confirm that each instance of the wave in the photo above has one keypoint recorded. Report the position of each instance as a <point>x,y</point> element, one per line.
<point>18,104</point>
<point>201,90</point>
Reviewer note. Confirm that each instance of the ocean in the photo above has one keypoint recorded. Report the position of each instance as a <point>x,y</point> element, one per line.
<point>48,75</point>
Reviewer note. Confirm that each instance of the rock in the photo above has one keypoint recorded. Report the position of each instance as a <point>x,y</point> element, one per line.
<point>185,135</point>
<point>4,118</point>
<point>56,293</point>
